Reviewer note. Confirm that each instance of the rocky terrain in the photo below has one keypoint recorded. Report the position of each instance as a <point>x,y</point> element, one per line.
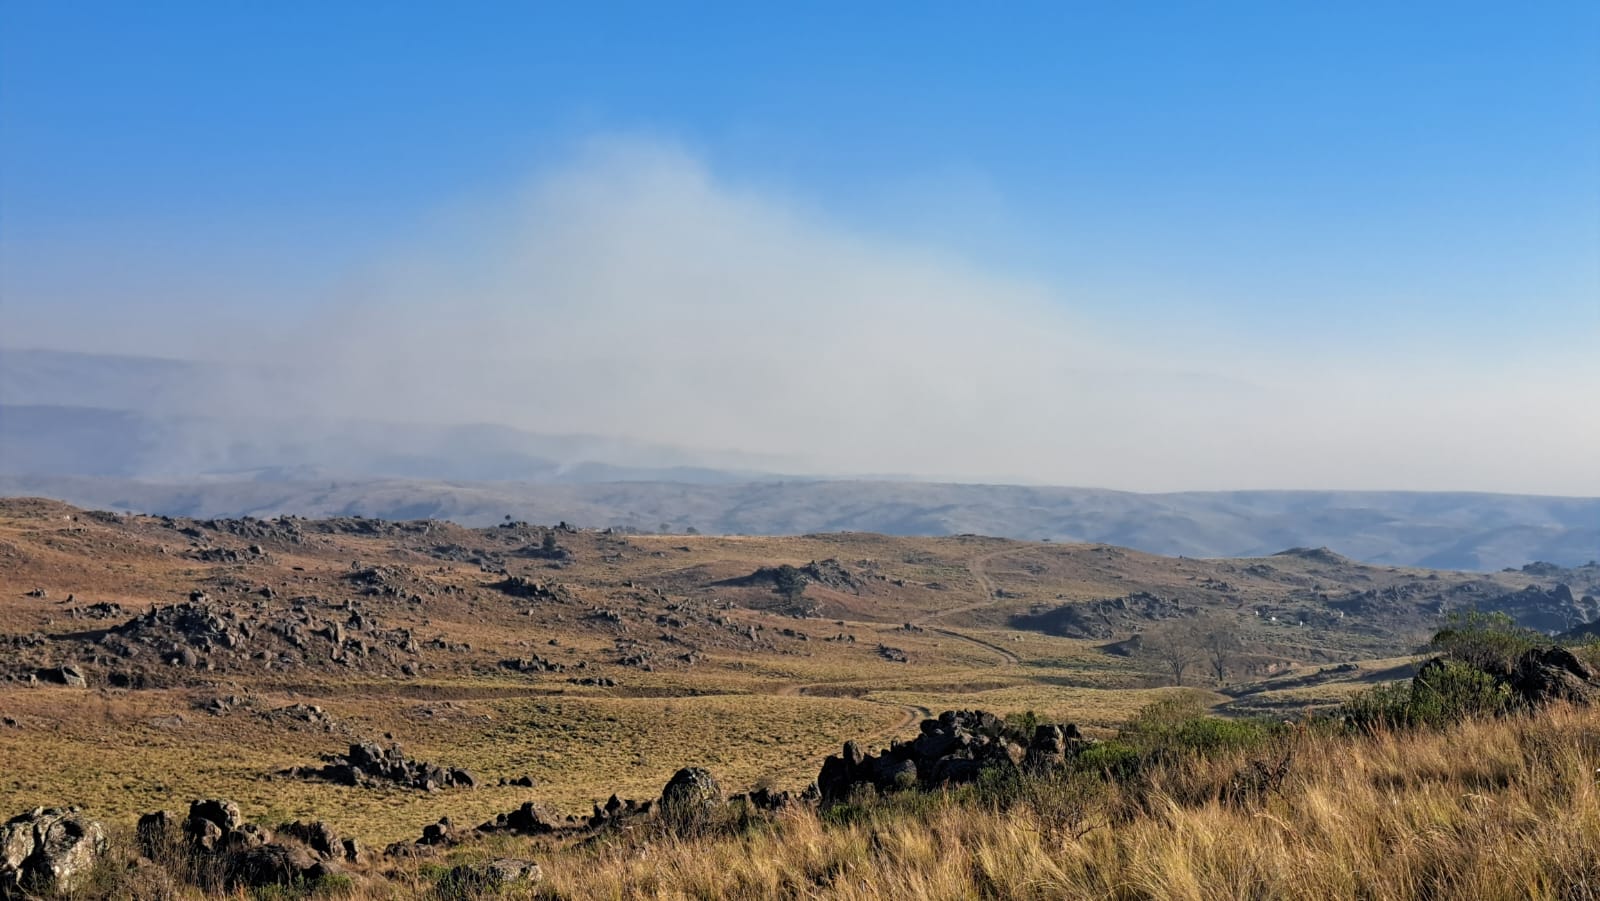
<point>216,848</point>
<point>540,676</point>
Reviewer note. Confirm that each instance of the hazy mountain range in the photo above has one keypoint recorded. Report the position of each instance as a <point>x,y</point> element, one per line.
<point>133,433</point>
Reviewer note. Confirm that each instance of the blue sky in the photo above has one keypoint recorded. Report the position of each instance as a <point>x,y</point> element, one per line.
<point>1311,181</point>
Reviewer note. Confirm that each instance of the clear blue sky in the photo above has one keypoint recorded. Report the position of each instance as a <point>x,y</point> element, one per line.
<point>1249,152</point>
<point>1400,176</point>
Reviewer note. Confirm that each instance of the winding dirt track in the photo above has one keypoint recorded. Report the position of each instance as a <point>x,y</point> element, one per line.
<point>987,586</point>
<point>1002,653</point>
<point>910,714</point>
<point>913,713</point>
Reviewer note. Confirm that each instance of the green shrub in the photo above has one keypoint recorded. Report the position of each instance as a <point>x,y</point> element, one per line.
<point>1441,694</point>
<point>1023,724</point>
<point>789,581</point>
<point>1213,734</point>
<point>1001,787</point>
<point>1179,725</point>
<point>1115,760</point>
<point>1166,715</point>
<point>1453,691</point>
<point>1490,642</point>
<point>1379,707</point>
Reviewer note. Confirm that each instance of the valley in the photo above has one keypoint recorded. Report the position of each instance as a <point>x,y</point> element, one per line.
<point>152,660</point>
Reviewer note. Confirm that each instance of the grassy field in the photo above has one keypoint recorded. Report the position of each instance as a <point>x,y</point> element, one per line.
<point>657,652</point>
<point>1489,810</point>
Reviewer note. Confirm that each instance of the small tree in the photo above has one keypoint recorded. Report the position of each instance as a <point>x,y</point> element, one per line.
<point>790,582</point>
<point>1173,646</point>
<point>1219,645</point>
<point>549,546</point>
<point>1488,641</point>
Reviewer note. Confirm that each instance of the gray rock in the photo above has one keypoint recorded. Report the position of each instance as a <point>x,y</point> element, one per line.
<point>318,836</point>
<point>692,791</point>
<point>159,834</point>
<point>225,814</point>
<point>273,864</point>
<point>48,850</point>
<point>493,874</point>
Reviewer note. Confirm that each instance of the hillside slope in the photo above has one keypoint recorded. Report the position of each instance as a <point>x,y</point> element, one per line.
<point>1465,531</point>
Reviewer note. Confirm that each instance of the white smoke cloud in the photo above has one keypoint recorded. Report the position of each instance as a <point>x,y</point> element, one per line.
<point>631,292</point>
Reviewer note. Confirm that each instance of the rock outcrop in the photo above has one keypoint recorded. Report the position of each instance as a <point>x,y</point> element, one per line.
<point>1543,675</point>
<point>955,748</point>
<point>233,853</point>
<point>48,849</point>
<point>692,791</point>
<point>367,762</point>
<point>525,820</point>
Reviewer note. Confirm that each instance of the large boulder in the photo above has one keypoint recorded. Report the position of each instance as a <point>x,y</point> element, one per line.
<point>490,876</point>
<point>274,864</point>
<point>891,774</point>
<point>318,836</point>
<point>1542,675</point>
<point>839,772</point>
<point>159,834</point>
<point>692,791</point>
<point>67,675</point>
<point>224,815</point>
<point>48,849</point>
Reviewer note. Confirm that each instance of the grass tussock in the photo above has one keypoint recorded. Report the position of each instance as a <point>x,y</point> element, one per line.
<point>1489,809</point>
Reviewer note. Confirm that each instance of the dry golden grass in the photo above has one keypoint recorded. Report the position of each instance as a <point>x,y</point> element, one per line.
<point>1491,810</point>
<point>753,710</point>
<point>1092,708</point>
<point>123,755</point>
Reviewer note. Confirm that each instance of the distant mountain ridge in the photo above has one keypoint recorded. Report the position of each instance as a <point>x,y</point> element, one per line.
<point>121,432</point>
<point>1439,531</point>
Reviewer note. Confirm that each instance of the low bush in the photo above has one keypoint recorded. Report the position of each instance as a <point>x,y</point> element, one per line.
<point>1443,693</point>
<point>1179,726</point>
<point>1490,642</point>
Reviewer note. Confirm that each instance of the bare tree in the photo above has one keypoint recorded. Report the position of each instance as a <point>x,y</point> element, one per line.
<point>1172,646</point>
<point>1219,644</point>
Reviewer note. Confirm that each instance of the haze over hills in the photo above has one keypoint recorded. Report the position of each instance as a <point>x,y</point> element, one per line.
<point>132,433</point>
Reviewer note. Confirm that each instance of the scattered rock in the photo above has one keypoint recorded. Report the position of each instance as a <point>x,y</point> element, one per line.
<point>367,762</point>
<point>534,664</point>
<point>490,876</point>
<point>691,792</point>
<point>68,675</point>
<point>47,850</point>
<point>955,748</point>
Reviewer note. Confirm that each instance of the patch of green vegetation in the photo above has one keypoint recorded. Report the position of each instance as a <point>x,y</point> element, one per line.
<point>1179,724</point>
<point>1490,642</point>
<point>1442,694</point>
